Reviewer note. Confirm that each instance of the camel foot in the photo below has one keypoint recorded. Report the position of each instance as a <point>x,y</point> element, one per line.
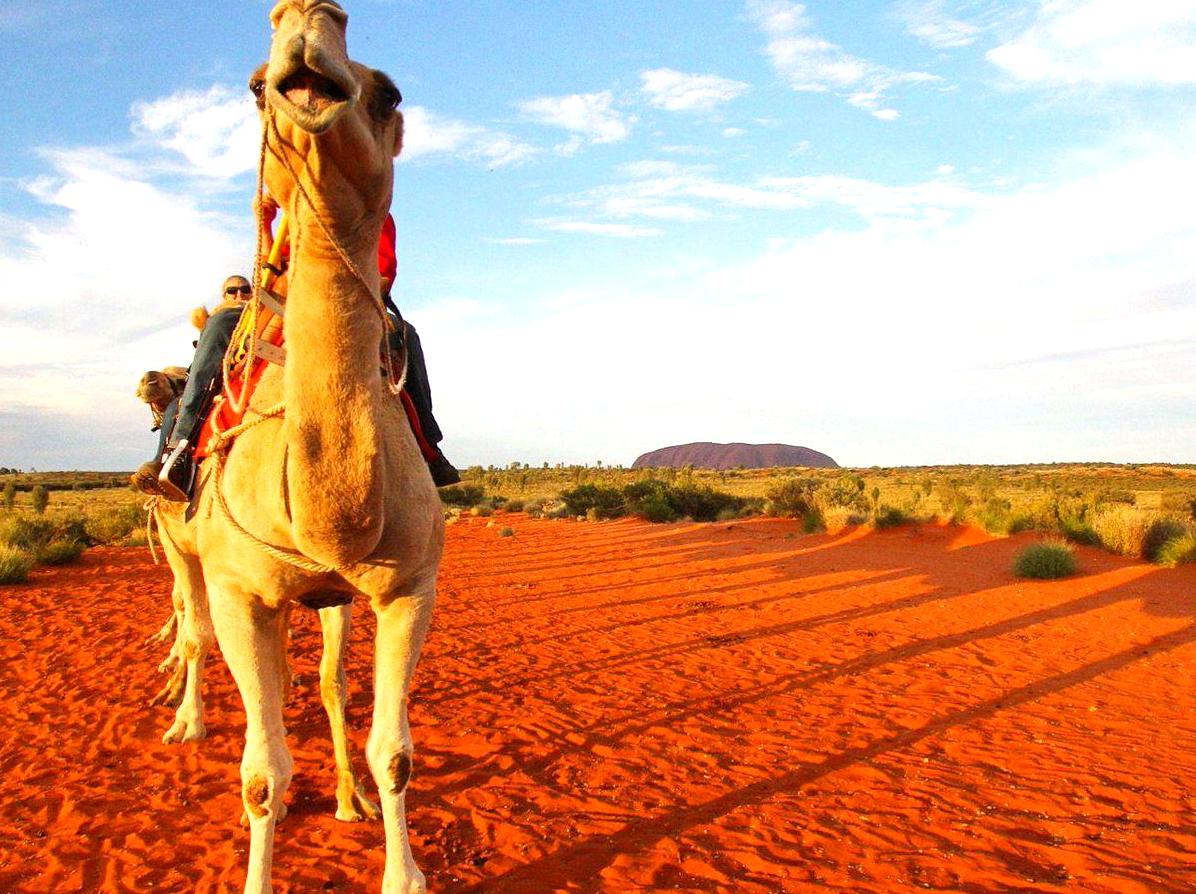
<point>183,731</point>
<point>356,808</point>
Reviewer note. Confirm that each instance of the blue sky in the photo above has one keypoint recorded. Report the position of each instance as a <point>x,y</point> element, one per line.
<point>914,232</point>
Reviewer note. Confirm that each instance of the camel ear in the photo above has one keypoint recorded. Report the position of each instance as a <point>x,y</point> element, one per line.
<point>398,133</point>
<point>199,317</point>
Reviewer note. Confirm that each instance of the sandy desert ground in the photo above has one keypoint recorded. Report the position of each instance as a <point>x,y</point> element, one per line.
<point>626,707</point>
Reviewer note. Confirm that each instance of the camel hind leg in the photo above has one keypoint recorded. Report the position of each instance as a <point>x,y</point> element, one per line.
<point>352,804</point>
<point>402,626</point>
<point>194,639</point>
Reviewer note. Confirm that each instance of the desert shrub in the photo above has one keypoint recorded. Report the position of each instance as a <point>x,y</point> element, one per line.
<point>114,524</point>
<point>846,492</point>
<point>1121,529</point>
<point>890,517</point>
<point>954,502</point>
<point>40,498</point>
<point>605,501</point>
<point>1045,561</point>
<point>10,495</point>
<point>463,495</point>
<point>482,510</point>
<point>507,532</point>
<point>794,497</point>
<point>1112,496</point>
<point>836,518</point>
<point>1158,532</point>
<point>1180,502</point>
<point>513,506</point>
<point>26,533</point>
<point>701,503</point>
<point>813,522</point>
<point>1178,550</point>
<point>15,564</point>
<point>60,552</point>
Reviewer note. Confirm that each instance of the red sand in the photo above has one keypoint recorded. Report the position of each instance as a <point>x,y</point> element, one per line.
<point>625,707</point>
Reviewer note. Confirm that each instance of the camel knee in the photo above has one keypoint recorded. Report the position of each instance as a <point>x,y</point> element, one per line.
<point>196,645</point>
<point>391,767</point>
<point>262,792</point>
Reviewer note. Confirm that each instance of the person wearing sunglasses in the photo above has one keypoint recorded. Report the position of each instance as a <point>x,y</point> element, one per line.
<point>183,415</point>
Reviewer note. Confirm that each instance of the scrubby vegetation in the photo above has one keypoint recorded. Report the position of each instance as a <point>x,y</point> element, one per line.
<point>1045,561</point>
<point>1139,511</point>
<point>15,564</point>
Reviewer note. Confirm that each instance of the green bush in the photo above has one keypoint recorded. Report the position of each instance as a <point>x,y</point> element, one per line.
<point>846,492</point>
<point>1045,561</point>
<point>115,524</point>
<point>15,564</point>
<point>794,497</point>
<point>463,495</point>
<point>40,498</point>
<point>513,506</point>
<point>605,501</point>
<point>60,552</point>
<point>10,495</point>
<point>26,533</point>
<point>1158,533</point>
<point>890,517</point>
<point>1178,550</point>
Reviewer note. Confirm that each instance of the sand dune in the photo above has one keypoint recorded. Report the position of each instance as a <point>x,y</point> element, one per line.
<point>625,707</point>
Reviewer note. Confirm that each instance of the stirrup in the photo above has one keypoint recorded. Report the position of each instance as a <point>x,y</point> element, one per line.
<point>177,478</point>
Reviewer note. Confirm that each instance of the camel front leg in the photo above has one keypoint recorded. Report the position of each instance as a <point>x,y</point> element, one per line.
<point>171,695</point>
<point>352,804</point>
<point>250,638</point>
<point>402,625</point>
<point>195,636</point>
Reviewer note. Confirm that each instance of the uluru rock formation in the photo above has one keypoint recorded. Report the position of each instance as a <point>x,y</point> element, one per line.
<point>707,455</point>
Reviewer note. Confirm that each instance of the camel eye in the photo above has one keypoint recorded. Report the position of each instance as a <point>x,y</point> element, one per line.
<point>257,87</point>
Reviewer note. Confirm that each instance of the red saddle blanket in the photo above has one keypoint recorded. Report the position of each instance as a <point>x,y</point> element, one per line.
<point>227,414</point>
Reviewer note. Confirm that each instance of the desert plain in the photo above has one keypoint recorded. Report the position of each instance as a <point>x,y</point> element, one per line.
<point>621,706</point>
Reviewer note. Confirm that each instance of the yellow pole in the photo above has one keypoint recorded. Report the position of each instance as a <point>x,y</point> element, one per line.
<point>269,269</point>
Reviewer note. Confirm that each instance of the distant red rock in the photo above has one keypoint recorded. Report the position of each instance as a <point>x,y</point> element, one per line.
<point>706,455</point>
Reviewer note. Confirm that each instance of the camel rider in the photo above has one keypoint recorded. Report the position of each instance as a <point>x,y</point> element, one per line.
<point>181,419</point>
<point>416,387</point>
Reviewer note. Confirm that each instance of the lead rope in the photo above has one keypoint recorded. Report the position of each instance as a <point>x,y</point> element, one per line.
<point>151,513</point>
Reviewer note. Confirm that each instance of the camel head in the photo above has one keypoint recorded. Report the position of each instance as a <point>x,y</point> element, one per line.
<point>330,121</point>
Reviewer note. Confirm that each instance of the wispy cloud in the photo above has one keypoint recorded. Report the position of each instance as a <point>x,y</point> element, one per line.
<point>590,115</point>
<point>592,228</point>
<point>217,131</point>
<point>948,24</point>
<point>675,91</point>
<point>1104,42</point>
<point>666,190</point>
<point>810,63</point>
<point>427,134</point>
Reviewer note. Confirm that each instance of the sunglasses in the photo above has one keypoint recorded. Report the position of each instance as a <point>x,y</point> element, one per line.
<point>244,290</point>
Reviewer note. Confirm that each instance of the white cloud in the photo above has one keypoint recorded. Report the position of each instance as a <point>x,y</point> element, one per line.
<point>810,63</point>
<point>947,24</point>
<point>592,115</point>
<point>665,190</point>
<point>733,132</point>
<point>676,91</point>
<point>217,130</point>
<point>623,231</point>
<point>429,134</point>
<point>1104,42</point>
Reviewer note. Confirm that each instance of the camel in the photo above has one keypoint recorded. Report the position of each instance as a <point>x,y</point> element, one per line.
<point>323,495</point>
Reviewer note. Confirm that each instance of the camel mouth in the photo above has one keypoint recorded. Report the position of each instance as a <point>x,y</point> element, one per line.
<point>314,101</point>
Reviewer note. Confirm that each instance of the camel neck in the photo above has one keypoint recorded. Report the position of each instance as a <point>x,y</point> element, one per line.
<point>333,399</point>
